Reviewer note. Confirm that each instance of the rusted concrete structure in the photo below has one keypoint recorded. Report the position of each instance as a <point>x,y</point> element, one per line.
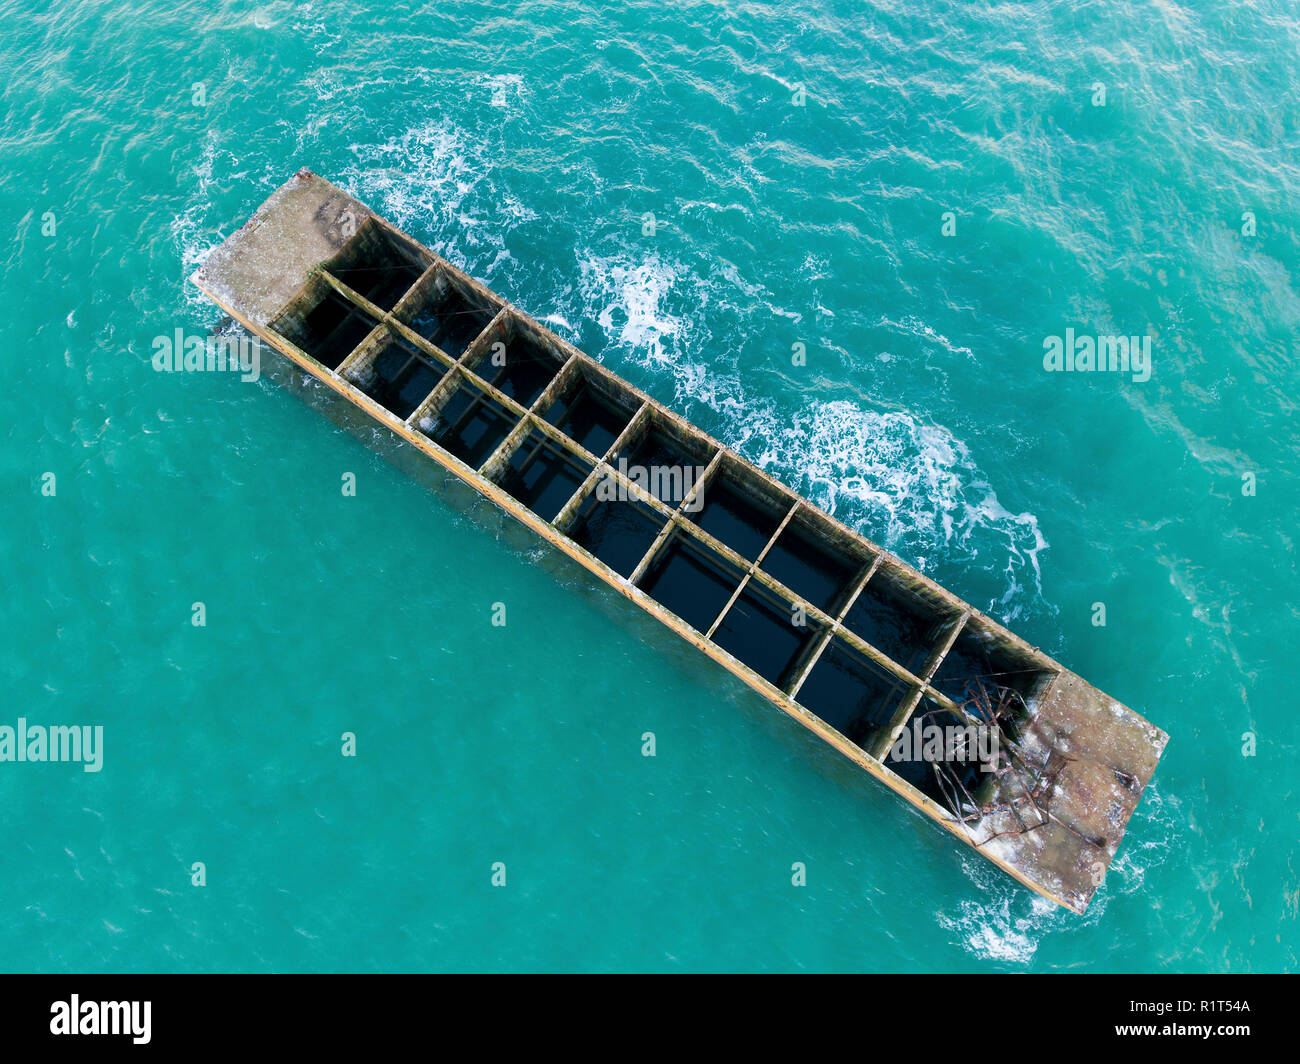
<point>845,638</point>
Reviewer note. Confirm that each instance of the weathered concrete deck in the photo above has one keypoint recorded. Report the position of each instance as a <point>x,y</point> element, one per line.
<point>263,264</point>
<point>413,343</point>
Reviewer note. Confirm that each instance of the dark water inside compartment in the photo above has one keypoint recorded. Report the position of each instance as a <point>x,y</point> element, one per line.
<point>909,758</point>
<point>813,573</point>
<point>588,419</point>
<point>451,322</point>
<point>403,379</point>
<point>689,580</point>
<point>382,284</point>
<point>763,635</point>
<point>618,533</point>
<point>905,629</point>
<point>851,693</point>
<point>660,467</point>
<point>735,520</point>
<point>471,426</point>
<point>543,476</point>
<point>525,373</point>
<point>965,662</point>
<point>656,449</point>
<point>332,329</point>
<point>322,320</point>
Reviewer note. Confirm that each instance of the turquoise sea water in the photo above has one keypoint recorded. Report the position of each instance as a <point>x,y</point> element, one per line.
<point>527,145</point>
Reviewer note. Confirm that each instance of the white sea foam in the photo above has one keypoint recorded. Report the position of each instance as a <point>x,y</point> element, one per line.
<point>633,318</point>
<point>190,230</point>
<point>558,319</point>
<point>913,326</point>
<point>435,178</point>
<point>1004,922</point>
<point>1154,831</point>
<point>905,482</point>
<point>1007,927</point>
<point>325,30</point>
<point>507,91</point>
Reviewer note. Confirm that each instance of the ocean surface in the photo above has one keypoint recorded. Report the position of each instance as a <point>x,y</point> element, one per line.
<point>918,192</point>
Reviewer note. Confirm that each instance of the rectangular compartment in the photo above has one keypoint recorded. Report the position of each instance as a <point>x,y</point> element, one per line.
<point>447,312</point>
<point>851,693</point>
<point>812,569</point>
<point>767,633</point>
<point>982,663</point>
<point>742,514</point>
<point>662,460</point>
<point>399,376</point>
<point>469,423</point>
<point>378,265</point>
<point>943,756</point>
<point>900,619</point>
<point>592,411</point>
<point>521,366</point>
<point>543,475</point>
<point>617,532</point>
<point>324,324</point>
<point>691,580</point>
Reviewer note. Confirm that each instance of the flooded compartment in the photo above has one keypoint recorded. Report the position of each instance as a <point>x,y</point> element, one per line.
<point>399,377</point>
<point>446,312</point>
<point>591,411</point>
<point>469,423</point>
<point>617,532</point>
<point>691,580</point>
<point>851,693</point>
<point>543,475</point>
<point>740,514</point>
<point>812,569</point>
<point>981,662</point>
<point>324,324</point>
<point>767,633</point>
<point>900,619</point>
<point>378,265</point>
<point>662,461</point>
<point>943,756</point>
<point>521,366</point>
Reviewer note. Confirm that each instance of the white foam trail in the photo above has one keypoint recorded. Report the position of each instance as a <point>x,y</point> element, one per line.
<point>915,327</point>
<point>906,483</point>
